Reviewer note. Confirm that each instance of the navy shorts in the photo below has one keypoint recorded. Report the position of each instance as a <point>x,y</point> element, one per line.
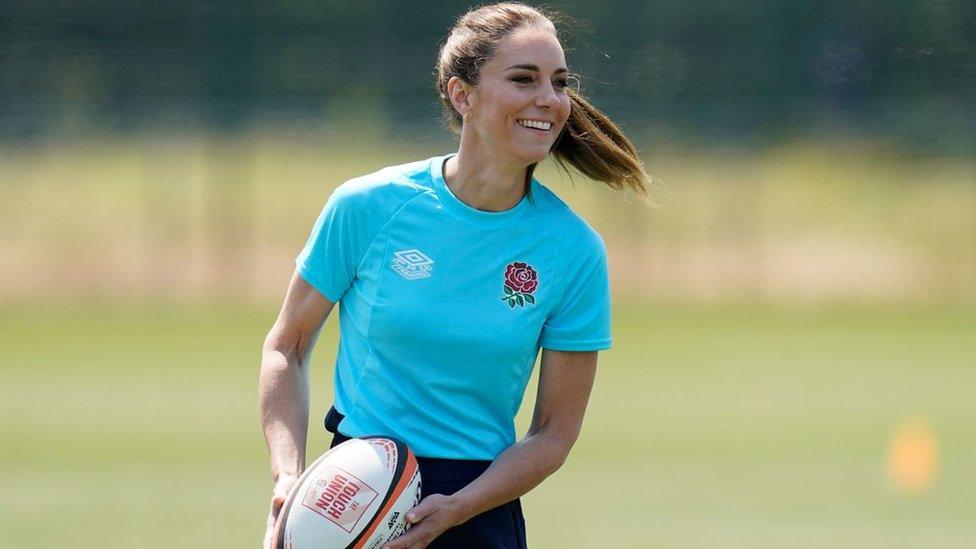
<point>500,528</point>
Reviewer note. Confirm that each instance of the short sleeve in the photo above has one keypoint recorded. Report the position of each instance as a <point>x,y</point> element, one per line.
<point>336,246</point>
<point>581,319</point>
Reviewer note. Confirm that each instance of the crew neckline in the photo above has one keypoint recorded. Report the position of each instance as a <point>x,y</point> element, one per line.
<point>481,217</point>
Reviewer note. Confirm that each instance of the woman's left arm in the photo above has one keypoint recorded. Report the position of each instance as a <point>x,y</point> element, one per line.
<point>565,381</point>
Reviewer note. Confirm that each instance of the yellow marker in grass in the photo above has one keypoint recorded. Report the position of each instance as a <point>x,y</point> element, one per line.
<point>913,456</point>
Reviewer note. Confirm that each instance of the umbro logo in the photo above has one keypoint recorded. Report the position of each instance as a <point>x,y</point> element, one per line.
<point>412,264</point>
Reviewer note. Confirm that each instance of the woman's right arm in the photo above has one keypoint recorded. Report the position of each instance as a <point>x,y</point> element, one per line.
<point>283,387</point>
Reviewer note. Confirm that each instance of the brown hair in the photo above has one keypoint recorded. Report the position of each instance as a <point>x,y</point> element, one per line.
<point>590,141</point>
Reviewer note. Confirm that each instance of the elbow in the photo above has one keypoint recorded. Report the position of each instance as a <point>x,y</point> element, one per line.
<point>283,348</point>
<point>561,443</point>
<point>275,342</point>
<point>556,460</point>
<point>280,368</point>
<point>557,440</point>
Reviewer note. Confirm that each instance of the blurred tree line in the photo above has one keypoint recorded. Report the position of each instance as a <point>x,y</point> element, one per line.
<point>745,71</point>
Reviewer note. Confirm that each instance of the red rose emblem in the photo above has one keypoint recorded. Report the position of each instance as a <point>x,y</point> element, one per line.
<point>520,277</point>
<point>520,281</point>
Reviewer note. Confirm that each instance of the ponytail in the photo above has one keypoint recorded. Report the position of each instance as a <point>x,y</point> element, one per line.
<point>595,146</point>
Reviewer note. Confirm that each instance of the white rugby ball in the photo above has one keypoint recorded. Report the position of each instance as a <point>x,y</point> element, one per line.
<point>355,496</point>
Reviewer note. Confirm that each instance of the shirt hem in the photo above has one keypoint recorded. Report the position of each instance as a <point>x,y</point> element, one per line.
<point>316,283</point>
<point>599,345</point>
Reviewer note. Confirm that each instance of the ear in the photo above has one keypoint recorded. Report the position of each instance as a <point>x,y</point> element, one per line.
<point>461,94</point>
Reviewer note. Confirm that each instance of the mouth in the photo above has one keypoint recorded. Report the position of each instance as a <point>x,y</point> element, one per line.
<point>540,126</point>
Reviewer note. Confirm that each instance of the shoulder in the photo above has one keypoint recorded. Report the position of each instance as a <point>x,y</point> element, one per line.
<point>382,191</point>
<point>572,233</point>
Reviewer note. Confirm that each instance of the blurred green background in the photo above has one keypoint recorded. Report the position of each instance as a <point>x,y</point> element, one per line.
<point>794,320</point>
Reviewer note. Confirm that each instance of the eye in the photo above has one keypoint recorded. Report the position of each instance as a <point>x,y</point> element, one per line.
<point>560,83</point>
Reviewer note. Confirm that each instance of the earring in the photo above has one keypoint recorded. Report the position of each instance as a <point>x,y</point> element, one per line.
<point>467,117</point>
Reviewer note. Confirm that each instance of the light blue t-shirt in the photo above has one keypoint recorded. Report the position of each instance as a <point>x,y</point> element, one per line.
<point>443,307</point>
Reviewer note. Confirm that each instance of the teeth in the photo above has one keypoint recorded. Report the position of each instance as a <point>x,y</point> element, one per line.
<point>537,124</point>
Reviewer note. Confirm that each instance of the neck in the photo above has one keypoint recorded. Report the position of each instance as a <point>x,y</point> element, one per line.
<point>483,182</point>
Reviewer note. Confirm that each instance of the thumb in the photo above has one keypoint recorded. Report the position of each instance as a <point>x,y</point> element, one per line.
<point>277,500</point>
<point>278,497</point>
<point>281,491</point>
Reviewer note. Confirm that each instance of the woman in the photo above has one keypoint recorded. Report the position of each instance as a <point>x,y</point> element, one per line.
<point>452,273</point>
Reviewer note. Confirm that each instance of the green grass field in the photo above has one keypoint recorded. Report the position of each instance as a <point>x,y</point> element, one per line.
<point>130,426</point>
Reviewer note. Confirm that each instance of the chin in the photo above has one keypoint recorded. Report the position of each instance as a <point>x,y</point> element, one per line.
<point>532,155</point>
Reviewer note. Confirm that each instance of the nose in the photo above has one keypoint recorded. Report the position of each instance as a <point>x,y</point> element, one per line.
<point>547,97</point>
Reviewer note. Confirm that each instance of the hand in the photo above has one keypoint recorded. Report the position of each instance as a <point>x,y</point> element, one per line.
<point>281,490</point>
<point>435,514</point>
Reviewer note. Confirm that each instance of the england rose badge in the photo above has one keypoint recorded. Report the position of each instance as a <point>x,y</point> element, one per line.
<point>521,281</point>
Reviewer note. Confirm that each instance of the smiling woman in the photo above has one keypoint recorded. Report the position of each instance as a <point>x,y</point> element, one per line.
<point>510,55</point>
<point>453,272</point>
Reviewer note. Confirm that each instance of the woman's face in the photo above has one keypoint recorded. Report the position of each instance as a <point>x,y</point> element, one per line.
<point>522,85</point>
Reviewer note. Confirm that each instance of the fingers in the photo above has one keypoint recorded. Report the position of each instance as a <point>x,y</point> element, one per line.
<point>414,538</point>
<point>427,527</point>
<point>408,539</point>
<point>272,522</point>
<point>424,508</point>
<point>278,497</point>
<point>269,532</point>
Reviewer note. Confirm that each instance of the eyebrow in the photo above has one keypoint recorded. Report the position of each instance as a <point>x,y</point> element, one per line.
<point>535,68</point>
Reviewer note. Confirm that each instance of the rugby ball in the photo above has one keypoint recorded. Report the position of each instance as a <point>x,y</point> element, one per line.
<point>355,496</point>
